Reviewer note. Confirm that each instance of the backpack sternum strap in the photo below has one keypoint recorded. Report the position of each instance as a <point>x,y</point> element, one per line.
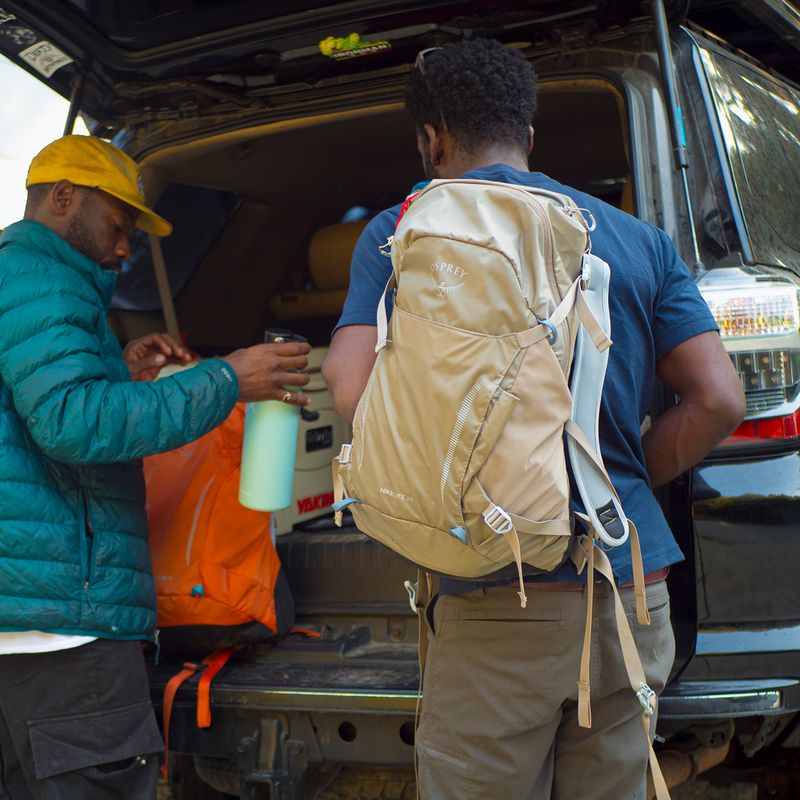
<point>575,299</point>
<point>531,336</point>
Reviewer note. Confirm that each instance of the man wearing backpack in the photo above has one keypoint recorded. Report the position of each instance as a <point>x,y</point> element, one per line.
<point>499,713</point>
<point>76,589</point>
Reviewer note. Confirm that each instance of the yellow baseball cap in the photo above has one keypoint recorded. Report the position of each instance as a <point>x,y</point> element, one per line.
<point>89,161</point>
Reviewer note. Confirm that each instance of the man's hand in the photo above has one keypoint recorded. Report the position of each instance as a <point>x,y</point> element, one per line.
<point>146,356</point>
<point>265,369</point>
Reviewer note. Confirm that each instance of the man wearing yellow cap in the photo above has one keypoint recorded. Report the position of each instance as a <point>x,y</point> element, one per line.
<point>76,589</point>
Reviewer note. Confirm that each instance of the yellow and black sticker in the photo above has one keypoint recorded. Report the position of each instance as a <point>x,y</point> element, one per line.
<point>350,47</point>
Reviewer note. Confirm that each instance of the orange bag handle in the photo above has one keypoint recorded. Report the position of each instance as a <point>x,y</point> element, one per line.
<point>216,661</point>
<point>210,666</point>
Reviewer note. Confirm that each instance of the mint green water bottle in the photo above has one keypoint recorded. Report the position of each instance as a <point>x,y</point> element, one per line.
<point>269,447</point>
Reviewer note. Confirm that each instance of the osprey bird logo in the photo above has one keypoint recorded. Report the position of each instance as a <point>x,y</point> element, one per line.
<point>447,278</point>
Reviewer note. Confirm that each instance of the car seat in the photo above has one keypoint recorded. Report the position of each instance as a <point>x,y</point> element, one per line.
<point>329,253</point>
<point>313,313</point>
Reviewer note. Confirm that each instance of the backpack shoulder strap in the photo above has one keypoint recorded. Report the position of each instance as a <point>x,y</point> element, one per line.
<point>586,385</point>
<point>381,315</point>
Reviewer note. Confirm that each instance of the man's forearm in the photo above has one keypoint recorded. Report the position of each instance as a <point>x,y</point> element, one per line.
<point>347,367</point>
<point>683,436</point>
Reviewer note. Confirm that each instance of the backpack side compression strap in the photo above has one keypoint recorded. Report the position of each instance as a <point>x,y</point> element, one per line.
<point>596,560</point>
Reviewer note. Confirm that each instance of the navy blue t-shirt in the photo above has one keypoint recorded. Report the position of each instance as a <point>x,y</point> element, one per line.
<point>654,305</point>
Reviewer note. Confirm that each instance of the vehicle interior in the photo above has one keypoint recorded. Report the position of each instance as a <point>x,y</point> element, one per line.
<point>271,244</point>
<point>266,221</point>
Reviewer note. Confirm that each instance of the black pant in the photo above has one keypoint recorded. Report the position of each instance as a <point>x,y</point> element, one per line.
<point>78,725</point>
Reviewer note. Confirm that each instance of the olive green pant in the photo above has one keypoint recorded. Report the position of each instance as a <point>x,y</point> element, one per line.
<point>499,714</point>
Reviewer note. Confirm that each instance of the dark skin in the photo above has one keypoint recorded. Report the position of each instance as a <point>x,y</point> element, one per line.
<point>698,371</point>
<point>100,226</point>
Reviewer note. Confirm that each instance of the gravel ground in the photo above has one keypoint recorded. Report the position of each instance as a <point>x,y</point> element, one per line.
<point>699,790</point>
<point>164,793</point>
<point>702,790</point>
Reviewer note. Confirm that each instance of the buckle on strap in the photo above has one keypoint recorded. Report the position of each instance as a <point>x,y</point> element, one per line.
<point>579,553</point>
<point>646,697</point>
<point>586,272</point>
<point>411,588</point>
<point>498,520</point>
<point>553,333</point>
<point>344,454</point>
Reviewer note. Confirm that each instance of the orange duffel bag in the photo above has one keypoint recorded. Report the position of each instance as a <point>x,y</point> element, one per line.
<point>218,577</point>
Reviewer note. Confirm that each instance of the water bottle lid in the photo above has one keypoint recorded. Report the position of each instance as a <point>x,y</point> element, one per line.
<point>282,335</point>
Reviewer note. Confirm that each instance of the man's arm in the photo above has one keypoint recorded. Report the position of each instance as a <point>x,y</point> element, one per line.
<point>711,406</point>
<point>51,363</point>
<point>347,366</point>
<point>349,361</point>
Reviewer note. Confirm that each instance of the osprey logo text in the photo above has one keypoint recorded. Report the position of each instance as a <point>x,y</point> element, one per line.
<point>447,278</point>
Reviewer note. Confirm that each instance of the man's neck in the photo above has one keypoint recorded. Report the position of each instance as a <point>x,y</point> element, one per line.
<point>464,162</point>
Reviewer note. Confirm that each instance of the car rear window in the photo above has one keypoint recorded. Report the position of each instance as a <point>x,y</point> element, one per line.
<point>760,123</point>
<point>198,216</point>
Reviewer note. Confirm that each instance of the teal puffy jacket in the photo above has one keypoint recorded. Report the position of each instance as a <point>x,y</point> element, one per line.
<point>73,532</point>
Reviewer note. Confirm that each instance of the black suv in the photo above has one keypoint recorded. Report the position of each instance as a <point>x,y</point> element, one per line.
<point>260,126</point>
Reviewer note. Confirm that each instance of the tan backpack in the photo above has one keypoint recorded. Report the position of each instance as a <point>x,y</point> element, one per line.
<point>458,460</point>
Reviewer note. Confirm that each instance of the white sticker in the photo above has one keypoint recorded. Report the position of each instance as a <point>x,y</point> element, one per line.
<point>45,58</point>
<point>6,16</point>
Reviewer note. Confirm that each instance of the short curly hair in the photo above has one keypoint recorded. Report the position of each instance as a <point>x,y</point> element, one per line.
<point>481,91</point>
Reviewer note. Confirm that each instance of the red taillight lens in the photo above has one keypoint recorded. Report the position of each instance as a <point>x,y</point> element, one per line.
<point>774,428</point>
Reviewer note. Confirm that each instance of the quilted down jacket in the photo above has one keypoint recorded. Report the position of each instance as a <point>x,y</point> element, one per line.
<point>73,426</point>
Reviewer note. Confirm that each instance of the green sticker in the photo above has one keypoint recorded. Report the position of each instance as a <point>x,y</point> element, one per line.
<point>350,47</point>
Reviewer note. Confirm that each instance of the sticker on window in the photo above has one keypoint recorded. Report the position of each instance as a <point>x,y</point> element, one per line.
<point>45,58</point>
<point>20,36</point>
<point>350,47</point>
<point>6,16</point>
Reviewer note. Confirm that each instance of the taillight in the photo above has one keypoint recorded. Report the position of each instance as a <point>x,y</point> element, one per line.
<point>758,313</point>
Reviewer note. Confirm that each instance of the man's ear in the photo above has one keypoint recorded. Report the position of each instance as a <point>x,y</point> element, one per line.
<point>531,135</point>
<point>441,147</point>
<point>62,198</point>
<point>429,139</point>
